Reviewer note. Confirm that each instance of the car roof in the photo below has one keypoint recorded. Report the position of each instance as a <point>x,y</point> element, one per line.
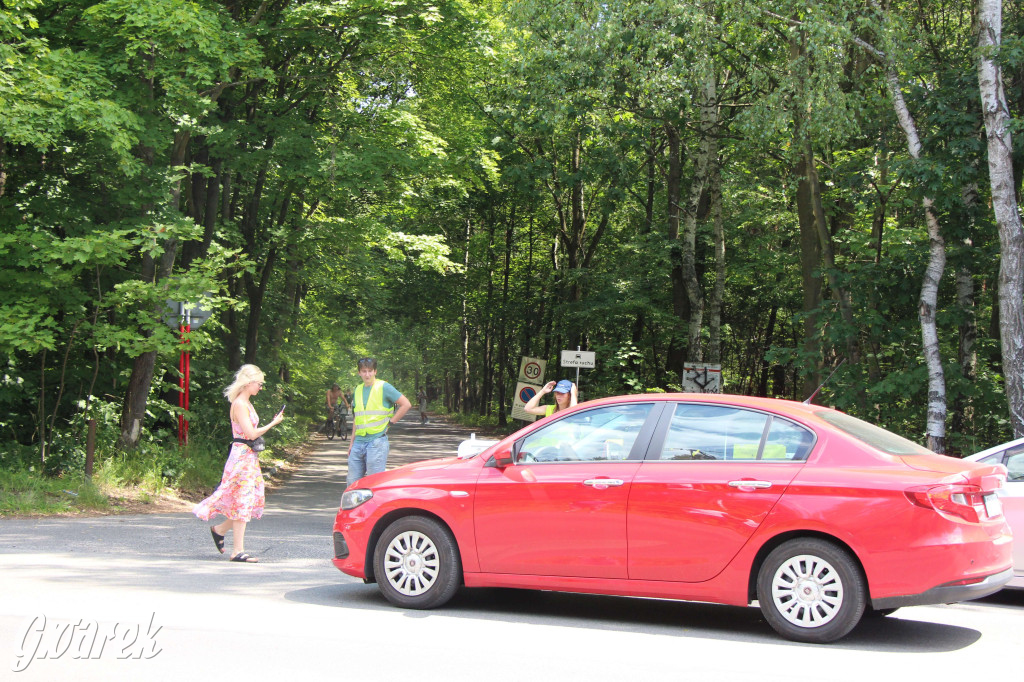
<point>994,449</point>
<point>788,407</point>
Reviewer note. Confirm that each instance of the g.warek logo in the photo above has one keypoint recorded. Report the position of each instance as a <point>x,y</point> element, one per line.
<point>85,639</point>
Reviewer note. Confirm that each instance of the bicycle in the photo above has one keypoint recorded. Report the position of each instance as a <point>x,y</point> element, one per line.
<point>342,421</point>
<point>336,424</point>
<point>330,426</point>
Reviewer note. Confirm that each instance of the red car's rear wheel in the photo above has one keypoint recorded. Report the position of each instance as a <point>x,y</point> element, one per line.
<point>811,590</point>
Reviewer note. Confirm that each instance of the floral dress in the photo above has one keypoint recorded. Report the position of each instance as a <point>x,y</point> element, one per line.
<point>240,493</point>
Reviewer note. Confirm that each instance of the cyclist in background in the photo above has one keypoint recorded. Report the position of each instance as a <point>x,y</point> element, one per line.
<point>334,394</point>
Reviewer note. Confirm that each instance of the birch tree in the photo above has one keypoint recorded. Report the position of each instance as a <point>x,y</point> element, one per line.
<point>1004,205</point>
<point>935,432</point>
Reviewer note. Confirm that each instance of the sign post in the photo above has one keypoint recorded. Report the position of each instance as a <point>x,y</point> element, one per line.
<point>579,358</point>
<point>185,316</point>
<point>184,381</point>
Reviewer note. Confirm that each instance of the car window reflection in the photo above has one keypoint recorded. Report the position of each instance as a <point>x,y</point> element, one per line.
<point>600,434</point>
<point>1015,465</point>
<point>721,433</point>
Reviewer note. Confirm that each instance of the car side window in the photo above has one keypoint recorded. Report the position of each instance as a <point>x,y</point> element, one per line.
<point>600,434</point>
<point>1015,464</point>
<point>787,440</point>
<point>713,432</point>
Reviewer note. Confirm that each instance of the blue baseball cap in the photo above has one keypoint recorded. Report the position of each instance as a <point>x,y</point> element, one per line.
<point>563,386</point>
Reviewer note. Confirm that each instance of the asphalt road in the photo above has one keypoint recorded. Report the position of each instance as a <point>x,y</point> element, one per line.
<point>165,605</point>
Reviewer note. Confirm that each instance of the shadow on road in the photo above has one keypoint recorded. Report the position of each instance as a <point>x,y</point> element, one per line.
<point>671,618</point>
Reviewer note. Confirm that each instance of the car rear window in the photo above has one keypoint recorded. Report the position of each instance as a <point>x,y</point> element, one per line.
<point>875,436</point>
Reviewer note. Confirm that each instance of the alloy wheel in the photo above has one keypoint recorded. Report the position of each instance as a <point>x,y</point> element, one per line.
<point>807,591</point>
<point>411,563</point>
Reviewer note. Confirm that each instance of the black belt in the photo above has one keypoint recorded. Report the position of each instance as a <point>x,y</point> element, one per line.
<point>256,445</point>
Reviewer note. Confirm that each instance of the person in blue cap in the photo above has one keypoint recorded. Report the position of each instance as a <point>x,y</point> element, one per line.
<point>565,397</point>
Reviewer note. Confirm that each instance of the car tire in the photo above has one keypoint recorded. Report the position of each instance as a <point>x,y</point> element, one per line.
<point>416,563</point>
<point>811,590</point>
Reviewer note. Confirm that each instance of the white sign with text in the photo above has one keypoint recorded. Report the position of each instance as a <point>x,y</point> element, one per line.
<point>584,359</point>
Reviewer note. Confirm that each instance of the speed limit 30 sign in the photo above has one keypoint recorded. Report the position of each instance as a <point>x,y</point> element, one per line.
<point>531,370</point>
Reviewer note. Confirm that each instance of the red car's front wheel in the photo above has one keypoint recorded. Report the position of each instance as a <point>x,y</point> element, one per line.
<point>416,563</point>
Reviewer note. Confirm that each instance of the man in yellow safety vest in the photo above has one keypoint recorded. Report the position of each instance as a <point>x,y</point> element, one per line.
<point>376,405</point>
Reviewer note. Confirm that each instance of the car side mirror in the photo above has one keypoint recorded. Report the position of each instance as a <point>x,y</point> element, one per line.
<point>503,457</point>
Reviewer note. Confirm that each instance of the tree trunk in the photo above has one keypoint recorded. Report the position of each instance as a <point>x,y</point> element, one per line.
<point>680,305</point>
<point>464,330</point>
<point>718,292</point>
<point>762,386</point>
<point>936,423</point>
<point>963,412</point>
<point>232,327</point>
<point>810,265</point>
<point>504,324</point>
<point>141,379</point>
<point>134,409</point>
<point>691,280</point>
<point>810,245</point>
<point>1007,212</point>
<point>256,291</point>
<point>3,166</point>
<point>487,389</point>
<point>839,292</point>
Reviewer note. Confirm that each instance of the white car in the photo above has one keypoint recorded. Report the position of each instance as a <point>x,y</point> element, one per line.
<point>1010,455</point>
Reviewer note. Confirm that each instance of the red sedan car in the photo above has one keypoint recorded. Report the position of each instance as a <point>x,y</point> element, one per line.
<point>815,515</point>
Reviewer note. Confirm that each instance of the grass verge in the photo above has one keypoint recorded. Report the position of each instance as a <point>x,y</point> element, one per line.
<point>147,479</point>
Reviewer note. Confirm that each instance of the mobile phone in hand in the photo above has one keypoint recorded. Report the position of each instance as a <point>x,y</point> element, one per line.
<point>282,408</point>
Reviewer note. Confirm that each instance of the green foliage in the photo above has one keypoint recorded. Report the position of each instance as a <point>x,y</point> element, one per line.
<point>24,491</point>
<point>449,185</point>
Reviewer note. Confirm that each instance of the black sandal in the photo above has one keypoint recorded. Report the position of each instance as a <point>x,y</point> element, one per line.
<point>218,540</point>
<point>245,558</point>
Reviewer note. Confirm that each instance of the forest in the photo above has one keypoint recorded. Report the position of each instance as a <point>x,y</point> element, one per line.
<point>798,191</point>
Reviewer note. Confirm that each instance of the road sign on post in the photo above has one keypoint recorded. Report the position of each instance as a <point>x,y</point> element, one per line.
<point>580,359</point>
<point>185,317</point>
<point>531,378</point>
<point>524,392</point>
<point>699,377</point>
<point>531,371</point>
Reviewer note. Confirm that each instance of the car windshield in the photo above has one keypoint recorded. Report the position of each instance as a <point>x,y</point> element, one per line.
<point>875,436</point>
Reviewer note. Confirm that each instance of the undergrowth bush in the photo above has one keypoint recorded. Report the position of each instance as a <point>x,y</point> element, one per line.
<point>24,491</point>
<point>156,466</point>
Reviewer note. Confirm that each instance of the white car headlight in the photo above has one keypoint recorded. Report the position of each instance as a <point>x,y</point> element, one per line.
<point>351,499</point>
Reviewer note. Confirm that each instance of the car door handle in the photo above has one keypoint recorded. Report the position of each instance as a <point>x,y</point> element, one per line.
<point>600,483</point>
<point>750,484</point>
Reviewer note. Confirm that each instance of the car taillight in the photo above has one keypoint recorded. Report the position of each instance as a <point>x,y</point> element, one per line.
<point>964,502</point>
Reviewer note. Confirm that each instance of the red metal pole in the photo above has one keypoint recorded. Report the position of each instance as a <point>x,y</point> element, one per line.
<point>181,393</point>
<point>188,378</point>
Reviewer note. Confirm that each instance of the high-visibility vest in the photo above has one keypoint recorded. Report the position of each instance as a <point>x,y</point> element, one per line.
<point>371,418</point>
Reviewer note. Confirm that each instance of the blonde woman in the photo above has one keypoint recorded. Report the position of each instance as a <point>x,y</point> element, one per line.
<point>239,496</point>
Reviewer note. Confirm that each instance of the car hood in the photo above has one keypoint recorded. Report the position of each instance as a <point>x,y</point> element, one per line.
<point>416,469</point>
<point>427,464</point>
